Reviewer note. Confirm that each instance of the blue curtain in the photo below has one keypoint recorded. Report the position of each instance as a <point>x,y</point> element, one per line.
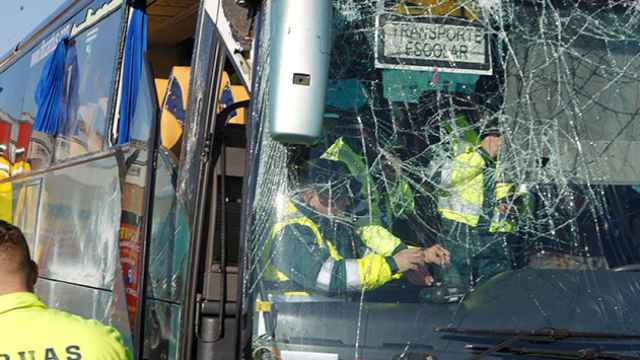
<point>48,94</point>
<point>135,47</point>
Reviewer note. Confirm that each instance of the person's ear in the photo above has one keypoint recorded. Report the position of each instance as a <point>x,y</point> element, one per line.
<point>34,274</point>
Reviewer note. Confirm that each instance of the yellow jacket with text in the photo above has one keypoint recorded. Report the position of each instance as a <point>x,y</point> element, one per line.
<point>29,330</point>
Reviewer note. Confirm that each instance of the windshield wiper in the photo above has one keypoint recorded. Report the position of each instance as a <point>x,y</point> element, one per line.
<point>549,334</point>
<point>582,354</point>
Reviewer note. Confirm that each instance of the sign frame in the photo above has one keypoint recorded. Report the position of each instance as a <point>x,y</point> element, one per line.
<point>399,63</point>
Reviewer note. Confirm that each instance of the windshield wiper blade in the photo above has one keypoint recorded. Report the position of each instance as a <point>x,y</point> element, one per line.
<point>582,354</point>
<point>551,334</point>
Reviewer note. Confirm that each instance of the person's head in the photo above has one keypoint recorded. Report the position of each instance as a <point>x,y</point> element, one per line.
<point>20,154</point>
<point>491,138</point>
<point>327,188</point>
<point>18,273</point>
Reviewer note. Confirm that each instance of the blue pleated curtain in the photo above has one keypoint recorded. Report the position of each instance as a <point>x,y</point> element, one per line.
<point>49,90</point>
<point>135,47</point>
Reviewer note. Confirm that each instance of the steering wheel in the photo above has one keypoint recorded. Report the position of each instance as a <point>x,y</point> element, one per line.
<point>630,267</point>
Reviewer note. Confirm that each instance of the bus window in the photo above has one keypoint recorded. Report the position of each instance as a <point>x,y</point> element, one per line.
<point>75,274</point>
<point>13,88</point>
<point>41,144</point>
<point>89,83</point>
<point>12,83</point>
<point>146,108</point>
<point>26,200</point>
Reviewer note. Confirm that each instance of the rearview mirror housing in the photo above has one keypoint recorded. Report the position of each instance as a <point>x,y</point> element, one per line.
<point>299,68</point>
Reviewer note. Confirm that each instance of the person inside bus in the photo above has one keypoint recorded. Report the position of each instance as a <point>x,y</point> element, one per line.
<point>474,206</point>
<point>377,216</point>
<point>314,249</point>
<point>29,327</point>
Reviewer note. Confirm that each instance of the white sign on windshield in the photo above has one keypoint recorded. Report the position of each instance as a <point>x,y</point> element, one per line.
<point>430,43</point>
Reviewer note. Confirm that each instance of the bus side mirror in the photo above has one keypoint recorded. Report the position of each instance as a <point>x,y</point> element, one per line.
<point>298,69</point>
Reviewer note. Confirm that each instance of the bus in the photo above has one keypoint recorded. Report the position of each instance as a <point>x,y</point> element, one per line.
<point>221,179</point>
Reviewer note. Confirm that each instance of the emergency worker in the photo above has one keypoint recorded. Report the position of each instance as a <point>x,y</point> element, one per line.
<point>25,196</point>
<point>32,331</point>
<point>474,209</point>
<point>372,226</point>
<point>314,250</point>
<point>20,164</point>
<point>6,195</point>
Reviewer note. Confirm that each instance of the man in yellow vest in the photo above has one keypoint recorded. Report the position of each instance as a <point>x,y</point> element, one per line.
<point>474,208</point>
<point>314,248</point>
<point>29,330</point>
<point>6,191</point>
<point>20,165</point>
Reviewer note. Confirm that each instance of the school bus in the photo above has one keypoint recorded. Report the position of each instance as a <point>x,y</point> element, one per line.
<point>245,179</point>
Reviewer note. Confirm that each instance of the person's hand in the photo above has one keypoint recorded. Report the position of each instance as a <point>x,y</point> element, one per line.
<point>419,277</point>
<point>409,259</point>
<point>436,254</point>
<point>503,208</point>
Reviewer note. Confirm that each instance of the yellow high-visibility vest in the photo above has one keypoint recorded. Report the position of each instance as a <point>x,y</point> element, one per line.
<point>31,330</point>
<point>464,182</point>
<point>6,195</point>
<point>368,272</point>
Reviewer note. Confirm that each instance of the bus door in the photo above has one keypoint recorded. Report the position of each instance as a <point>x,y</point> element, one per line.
<point>211,179</point>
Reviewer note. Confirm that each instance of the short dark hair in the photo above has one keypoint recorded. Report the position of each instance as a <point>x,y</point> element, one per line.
<point>490,128</point>
<point>14,250</point>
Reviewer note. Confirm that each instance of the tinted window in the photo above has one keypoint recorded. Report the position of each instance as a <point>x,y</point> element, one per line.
<point>11,100</point>
<point>145,109</point>
<point>90,67</point>
<point>40,144</point>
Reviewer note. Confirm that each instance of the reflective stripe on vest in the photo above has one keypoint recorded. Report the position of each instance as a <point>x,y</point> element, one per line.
<point>465,195</point>
<point>464,181</point>
<point>293,217</point>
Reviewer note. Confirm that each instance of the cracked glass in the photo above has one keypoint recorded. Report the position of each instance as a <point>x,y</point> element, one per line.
<point>477,171</point>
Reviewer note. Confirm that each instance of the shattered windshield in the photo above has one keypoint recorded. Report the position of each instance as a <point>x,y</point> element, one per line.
<point>478,169</point>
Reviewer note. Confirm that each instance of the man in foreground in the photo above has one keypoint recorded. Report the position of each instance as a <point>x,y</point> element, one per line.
<point>28,329</point>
